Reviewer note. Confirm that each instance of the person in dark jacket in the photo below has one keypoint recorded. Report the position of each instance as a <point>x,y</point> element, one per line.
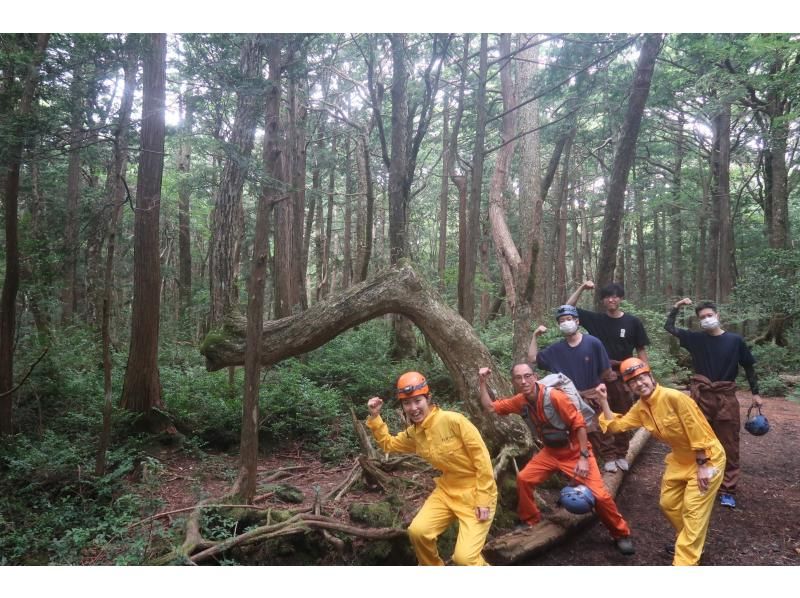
<point>622,334</point>
<point>716,357</point>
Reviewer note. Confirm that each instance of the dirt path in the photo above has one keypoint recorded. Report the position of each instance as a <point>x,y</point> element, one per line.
<point>764,529</point>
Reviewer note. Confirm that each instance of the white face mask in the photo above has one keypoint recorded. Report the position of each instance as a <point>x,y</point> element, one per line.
<point>709,323</point>
<point>568,327</point>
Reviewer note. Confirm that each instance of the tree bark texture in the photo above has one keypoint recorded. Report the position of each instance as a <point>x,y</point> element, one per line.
<point>8,299</point>
<point>470,251</point>
<point>675,288</point>
<point>142,387</point>
<point>184,211</point>
<point>228,217</point>
<point>623,159</point>
<point>116,190</point>
<point>367,221</point>
<point>69,297</point>
<point>245,486</point>
<point>397,290</point>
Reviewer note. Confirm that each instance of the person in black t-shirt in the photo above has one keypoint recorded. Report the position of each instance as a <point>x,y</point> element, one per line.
<point>621,335</point>
<point>716,357</point>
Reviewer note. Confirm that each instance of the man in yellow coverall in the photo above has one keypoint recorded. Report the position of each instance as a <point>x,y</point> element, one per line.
<point>452,444</point>
<point>695,465</point>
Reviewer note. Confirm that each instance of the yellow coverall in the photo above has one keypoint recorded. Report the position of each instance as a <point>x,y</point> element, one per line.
<point>674,418</point>
<point>452,444</point>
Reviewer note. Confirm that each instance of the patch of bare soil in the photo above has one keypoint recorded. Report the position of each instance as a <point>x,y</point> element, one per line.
<point>764,529</point>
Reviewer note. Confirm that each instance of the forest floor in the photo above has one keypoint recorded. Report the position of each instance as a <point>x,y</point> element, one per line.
<point>764,529</point>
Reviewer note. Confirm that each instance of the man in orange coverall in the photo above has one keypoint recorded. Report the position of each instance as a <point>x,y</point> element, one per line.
<point>695,465</point>
<point>574,458</point>
<point>452,444</point>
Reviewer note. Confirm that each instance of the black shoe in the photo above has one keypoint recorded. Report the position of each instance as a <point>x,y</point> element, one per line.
<point>669,549</point>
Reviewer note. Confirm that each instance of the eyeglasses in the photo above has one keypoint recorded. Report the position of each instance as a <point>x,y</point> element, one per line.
<point>412,387</point>
<point>525,377</point>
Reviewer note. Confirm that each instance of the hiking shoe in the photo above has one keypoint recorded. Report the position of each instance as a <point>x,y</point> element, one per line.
<point>727,500</point>
<point>622,464</point>
<point>610,466</point>
<point>625,545</point>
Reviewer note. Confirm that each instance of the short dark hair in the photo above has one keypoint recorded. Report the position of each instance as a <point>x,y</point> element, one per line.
<point>613,289</point>
<point>528,363</point>
<point>705,305</point>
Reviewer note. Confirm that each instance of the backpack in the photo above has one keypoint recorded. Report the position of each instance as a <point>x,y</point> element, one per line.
<point>555,433</point>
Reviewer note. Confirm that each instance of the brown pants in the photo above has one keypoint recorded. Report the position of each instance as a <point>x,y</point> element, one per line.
<point>721,408</point>
<point>609,447</point>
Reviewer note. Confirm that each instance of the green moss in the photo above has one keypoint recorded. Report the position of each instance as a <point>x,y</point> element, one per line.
<point>381,514</point>
<point>212,338</point>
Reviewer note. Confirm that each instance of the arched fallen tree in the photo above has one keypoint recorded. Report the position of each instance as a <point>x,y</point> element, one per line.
<point>396,290</point>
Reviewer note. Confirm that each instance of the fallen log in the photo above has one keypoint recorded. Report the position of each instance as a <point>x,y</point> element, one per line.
<point>398,290</point>
<point>553,529</point>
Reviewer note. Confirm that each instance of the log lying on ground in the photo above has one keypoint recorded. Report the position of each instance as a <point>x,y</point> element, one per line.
<point>396,290</point>
<point>553,529</point>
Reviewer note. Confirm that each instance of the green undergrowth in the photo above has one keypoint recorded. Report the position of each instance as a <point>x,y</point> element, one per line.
<point>54,510</point>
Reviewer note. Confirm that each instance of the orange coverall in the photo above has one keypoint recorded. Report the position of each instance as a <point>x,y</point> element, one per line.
<point>549,460</point>
<point>674,418</point>
<point>452,444</point>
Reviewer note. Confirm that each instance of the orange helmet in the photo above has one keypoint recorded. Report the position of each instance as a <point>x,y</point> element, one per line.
<point>632,367</point>
<point>411,384</point>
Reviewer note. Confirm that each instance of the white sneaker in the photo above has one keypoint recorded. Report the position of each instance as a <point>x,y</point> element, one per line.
<point>622,464</point>
<point>610,466</point>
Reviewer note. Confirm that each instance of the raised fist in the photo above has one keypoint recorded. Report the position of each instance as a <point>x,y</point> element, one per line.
<point>374,406</point>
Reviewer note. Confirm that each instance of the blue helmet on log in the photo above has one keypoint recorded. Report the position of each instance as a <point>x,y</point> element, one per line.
<point>758,424</point>
<point>578,500</point>
<point>566,310</point>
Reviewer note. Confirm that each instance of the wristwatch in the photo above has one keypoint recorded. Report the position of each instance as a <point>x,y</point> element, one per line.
<point>585,454</point>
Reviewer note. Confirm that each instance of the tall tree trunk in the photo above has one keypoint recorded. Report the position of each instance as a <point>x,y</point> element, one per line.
<point>142,387</point>
<point>8,299</point>
<point>641,261</point>
<point>245,485</point>
<point>298,116</point>
<point>324,284</point>
<point>531,199</point>
<point>676,224</point>
<point>404,341</point>
<point>316,185</point>
<point>347,233</point>
<point>117,191</point>
<point>228,217</point>
<point>700,281</point>
<point>623,159</point>
<point>69,297</point>
<point>721,205</point>
<point>466,303</point>
<point>441,262</point>
<point>365,175</point>
<point>560,225</point>
<point>627,268</point>
<point>184,220</point>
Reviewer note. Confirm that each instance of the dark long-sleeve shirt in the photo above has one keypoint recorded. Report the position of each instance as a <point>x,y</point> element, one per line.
<point>716,357</point>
